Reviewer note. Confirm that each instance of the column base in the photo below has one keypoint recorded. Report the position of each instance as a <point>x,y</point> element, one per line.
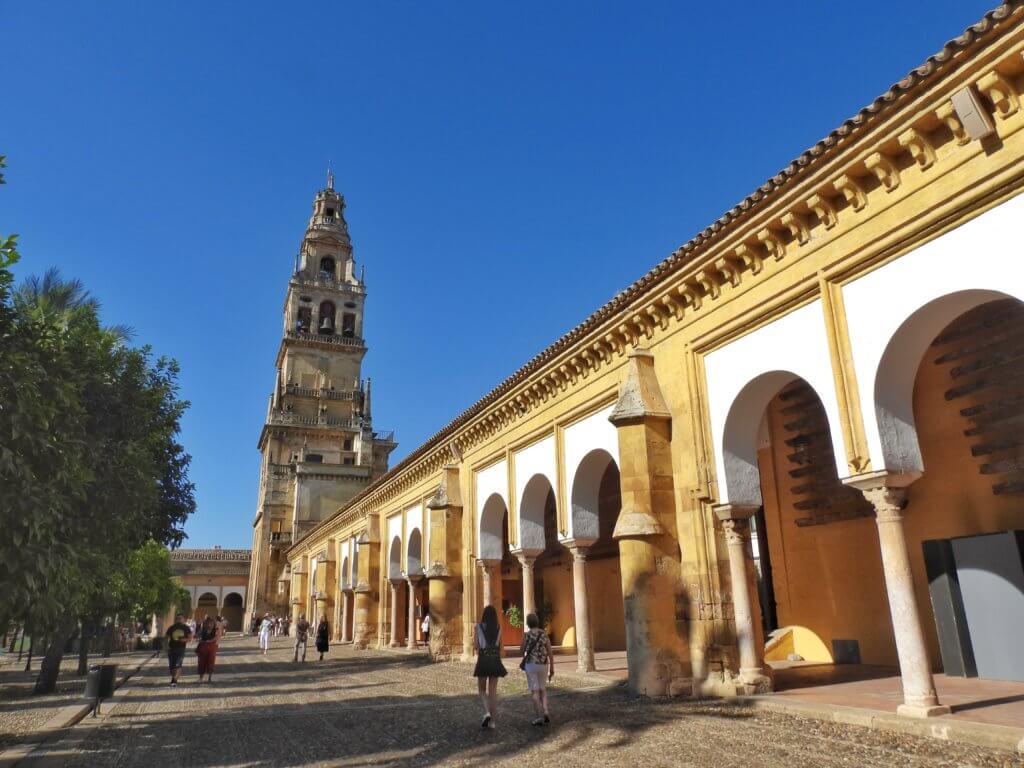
<point>753,681</point>
<point>922,711</point>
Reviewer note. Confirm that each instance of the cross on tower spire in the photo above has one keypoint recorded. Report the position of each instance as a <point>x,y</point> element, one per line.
<point>330,176</point>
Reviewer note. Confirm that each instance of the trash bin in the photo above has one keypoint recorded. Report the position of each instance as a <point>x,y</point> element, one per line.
<point>99,684</point>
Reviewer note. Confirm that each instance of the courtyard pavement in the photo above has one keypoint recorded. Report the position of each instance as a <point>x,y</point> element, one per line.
<point>376,708</point>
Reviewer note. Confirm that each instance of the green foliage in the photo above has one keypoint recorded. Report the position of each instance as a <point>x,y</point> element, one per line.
<point>514,614</point>
<point>93,482</point>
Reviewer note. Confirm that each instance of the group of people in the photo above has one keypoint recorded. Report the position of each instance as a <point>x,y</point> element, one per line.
<point>207,634</point>
<point>538,662</point>
<point>279,625</point>
<point>302,627</point>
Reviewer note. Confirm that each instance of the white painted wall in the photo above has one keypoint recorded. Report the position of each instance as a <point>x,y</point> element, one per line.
<point>579,439</point>
<point>394,531</point>
<point>536,459</point>
<point>908,302</point>
<point>493,479</point>
<point>414,521</point>
<point>795,345</point>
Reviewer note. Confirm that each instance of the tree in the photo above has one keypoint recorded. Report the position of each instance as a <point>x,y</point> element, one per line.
<point>90,465</point>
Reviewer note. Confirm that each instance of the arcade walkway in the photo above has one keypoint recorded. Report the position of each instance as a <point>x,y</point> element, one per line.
<point>396,709</point>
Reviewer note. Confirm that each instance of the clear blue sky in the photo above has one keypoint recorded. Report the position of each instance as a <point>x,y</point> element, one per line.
<point>508,168</point>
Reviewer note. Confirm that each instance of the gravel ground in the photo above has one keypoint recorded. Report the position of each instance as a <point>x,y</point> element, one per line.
<point>393,709</point>
<point>22,714</point>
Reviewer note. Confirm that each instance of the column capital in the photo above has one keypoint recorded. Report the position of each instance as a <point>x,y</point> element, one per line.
<point>486,564</point>
<point>885,491</point>
<point>736,512</point>
<point>578,546</point>
<point>414,578</point>
<point>526,556</point>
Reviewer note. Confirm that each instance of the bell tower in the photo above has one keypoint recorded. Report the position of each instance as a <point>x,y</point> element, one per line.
<point>318,445</point>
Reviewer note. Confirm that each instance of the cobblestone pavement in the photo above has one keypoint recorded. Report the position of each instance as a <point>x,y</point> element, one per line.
<point>394,709</point>
<point>22,713</point>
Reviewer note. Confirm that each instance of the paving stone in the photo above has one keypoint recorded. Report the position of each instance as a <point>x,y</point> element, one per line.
<point>396,709</point>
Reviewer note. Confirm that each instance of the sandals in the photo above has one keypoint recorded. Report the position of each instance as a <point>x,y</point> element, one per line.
<point>486,721</point>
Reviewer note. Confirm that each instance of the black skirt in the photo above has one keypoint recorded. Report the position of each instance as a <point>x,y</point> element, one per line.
<point>488,664</point>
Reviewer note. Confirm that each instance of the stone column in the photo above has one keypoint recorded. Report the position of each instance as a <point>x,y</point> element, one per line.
<point>487,567</point>
<point>735,522</point>
<point>584,644</point>
<point>345,635</point>
<point>887,493</point>
<point>410,625</point>
<point>395,614</point>
<point>529,598</point>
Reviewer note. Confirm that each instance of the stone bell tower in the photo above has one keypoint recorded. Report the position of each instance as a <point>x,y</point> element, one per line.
<point>318,445</point>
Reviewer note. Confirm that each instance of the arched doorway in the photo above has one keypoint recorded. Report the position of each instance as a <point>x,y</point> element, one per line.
<point>500,578</point>
<point>206,605</point>
<point>820,591</point>
<point>232,611</point>
<point>394,630</point>
<point>418,597</point>
<point>950,404</point>
<point>595,506</point>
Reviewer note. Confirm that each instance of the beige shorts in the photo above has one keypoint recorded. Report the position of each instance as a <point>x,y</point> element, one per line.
<point>536,676</point>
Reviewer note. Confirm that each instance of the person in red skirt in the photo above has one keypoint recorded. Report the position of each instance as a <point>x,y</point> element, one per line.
<point>207,648</point>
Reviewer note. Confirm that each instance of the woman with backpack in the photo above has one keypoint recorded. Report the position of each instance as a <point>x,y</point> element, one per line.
<point>539,664</point>
<point>487,644</point>
<point>206,650</point>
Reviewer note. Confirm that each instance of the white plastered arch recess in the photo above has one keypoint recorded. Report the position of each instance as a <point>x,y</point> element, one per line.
<point>395,531</point>
<point>894,312</point>
<point>743,376</point>
<point>415,518</point>
<point>395,558</point>
<point>414,553</point>
<point>491,481</point>
<point>580,438</point>
<point>534,478</point>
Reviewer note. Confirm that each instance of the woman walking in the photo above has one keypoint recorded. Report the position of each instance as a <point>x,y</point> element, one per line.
<point>323,636</point>
<point>538,663</point>
<point>487,644</point>
<point>265,626</point>
<point>207,648</point>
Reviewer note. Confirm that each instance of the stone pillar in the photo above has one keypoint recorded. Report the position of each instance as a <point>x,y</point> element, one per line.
<point>735,522</point>
<point>345,635</point>
<point>395,614</point>
<point>488,568</point>
<point>296,612</point>
<point>410,625</point>
<point>584,644</point>
<point>368,582</point>
<point>529,598</point>
<point>446,567</point>
<point>653,591</point>
<point>887,493</point>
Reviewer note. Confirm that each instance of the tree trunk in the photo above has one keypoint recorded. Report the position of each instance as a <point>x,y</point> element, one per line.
<point>31,647</point>
<point>14,639</point>
<point>46,682</point>
<point>108,639</point>
<point>83,647</point>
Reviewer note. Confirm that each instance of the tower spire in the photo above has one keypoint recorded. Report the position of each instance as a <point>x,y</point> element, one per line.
<point>330,176</point>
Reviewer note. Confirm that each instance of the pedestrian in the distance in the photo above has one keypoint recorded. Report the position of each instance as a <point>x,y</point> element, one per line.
<point>425,627</point>
<point>177,635</point>
<point>323,636</point>
<point>539,665</point>
<point>206,649</point>
<point>301,636</point>
<point>265,627</point>
<point>487,644</point>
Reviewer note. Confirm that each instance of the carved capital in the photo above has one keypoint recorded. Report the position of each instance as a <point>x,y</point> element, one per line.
<point>852,190</point>
<point>886,173</point>
<point>885,491</point>
<point>1001,93</point>
<point>919,146</point>
<point>735,532</point>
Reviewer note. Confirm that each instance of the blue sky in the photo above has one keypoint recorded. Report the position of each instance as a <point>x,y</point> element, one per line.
<point>508,168</point>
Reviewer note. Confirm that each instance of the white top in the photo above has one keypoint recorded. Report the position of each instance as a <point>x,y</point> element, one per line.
<point>481,640</point>
<point>265,625</point>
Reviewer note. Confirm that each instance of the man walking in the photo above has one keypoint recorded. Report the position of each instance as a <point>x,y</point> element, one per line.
<point>177,635</point>
<point>301,635</point>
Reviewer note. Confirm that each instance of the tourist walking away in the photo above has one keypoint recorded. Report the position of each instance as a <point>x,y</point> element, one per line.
<point>265,626</point>
<point>487,644</point>
<point>301,636</point>
<point>539,664</point>
<point>206,649</point>
<point>323,636</point>
<point>425,627</point>
<point>177,635</point>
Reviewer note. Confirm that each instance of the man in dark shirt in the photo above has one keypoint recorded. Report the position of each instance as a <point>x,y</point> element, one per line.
<point>178,635</point>
<point>301,635</point>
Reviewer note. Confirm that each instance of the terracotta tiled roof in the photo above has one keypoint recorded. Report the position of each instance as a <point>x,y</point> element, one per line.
<point>940,64</point>
<point>211,554</point>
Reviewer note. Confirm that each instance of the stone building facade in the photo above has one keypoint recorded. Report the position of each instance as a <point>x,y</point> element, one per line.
<point>217,581</point>
<point>318,446</point>
<point>748,453</point>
